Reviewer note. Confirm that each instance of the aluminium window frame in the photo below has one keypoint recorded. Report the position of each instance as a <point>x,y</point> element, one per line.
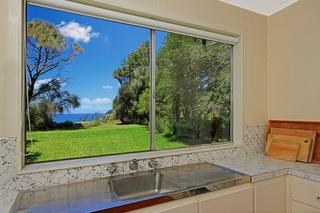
<point>18,20</point>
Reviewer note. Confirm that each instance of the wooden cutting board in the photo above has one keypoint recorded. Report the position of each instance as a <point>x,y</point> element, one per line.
<point>284,150</point>
<point>299,125</point>
<point>304,153</point>
<point>299,133</point>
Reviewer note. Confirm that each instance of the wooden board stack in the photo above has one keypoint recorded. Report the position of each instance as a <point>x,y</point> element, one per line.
<point>290,144</point>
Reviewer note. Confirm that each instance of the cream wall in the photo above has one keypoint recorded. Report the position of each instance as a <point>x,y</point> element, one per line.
<point>207,13</point>
<point>3,64</point>
<point>10,79</point>
<point>293,53</point>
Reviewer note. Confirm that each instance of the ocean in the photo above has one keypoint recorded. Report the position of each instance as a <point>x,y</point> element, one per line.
<point>59,118</point>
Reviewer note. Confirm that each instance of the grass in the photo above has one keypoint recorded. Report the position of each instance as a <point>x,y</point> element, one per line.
<point>105,139</point>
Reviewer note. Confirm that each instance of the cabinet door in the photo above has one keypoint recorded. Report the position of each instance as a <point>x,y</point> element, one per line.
<point>237,199</point>
<point>297,207</point>
<point>270,196</point>
<point>305,191</point>
<point>188,205</point>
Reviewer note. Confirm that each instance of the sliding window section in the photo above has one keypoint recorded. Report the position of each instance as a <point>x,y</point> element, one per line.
<point>193,90</point>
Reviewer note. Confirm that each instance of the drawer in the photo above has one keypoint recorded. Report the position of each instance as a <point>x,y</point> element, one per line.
<point>297,207</point>
<point>187,205</point>
<point>238,199</point>
<point>305,191</point>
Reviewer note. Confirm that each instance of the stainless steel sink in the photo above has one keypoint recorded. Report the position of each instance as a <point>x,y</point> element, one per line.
<point>125,191</point>
<point>141,185</point>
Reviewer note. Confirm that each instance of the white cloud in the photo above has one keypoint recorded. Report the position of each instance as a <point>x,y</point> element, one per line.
<point>92,109</point>
<point>97,105</point>
<point>77,32</point>
<point>107,87</point>
<point>45,81</point>
<point>97,101</point>
<point>40,82</point>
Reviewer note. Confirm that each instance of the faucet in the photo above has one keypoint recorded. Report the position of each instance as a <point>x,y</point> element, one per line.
<point>112,169</point>
<point>153,164</point>
<point>133,165</point>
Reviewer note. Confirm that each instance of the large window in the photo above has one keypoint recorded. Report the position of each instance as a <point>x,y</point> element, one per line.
<point>98,87</point>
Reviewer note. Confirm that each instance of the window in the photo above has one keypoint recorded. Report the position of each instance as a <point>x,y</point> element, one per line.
<point>193,90</point>
<point>101,87</point>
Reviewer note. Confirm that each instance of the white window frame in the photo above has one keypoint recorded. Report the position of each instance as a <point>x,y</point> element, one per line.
<point>16,56</point>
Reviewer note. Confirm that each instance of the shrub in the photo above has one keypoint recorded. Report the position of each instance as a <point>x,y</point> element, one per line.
<point>68,125</point>
<point>41,116</point>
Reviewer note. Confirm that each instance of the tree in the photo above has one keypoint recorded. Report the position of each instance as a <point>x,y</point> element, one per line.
<point>193,80</point>
<point>133,75</point>
<point>193,86</point>
<point>47,52</point>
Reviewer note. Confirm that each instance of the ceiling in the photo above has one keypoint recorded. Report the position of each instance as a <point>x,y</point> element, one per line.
<point>264,7</point>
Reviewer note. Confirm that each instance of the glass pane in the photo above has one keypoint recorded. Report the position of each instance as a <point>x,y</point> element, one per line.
<point>193,91</point>
<point>88,86</point>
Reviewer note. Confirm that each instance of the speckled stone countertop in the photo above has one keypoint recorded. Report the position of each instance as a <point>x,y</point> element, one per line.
<point>95,194</point>
<point>261,167</point>
<point>90,196</point>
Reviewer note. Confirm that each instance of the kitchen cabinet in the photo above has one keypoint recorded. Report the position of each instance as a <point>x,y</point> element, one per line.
<point>298,207</point>
<point>188,205</point>
<point>304,195</point>
<point>236,199</point>
<point>270,196</point>
<point>277,195</point>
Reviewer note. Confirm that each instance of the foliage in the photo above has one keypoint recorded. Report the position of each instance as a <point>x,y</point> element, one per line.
<point>130,105</point>
<point>192,87</point>
<point>47,52</point>
<point>41,117</point>
<point>68,125</point>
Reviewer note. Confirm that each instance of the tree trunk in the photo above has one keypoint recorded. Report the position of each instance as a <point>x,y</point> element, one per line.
<point>214,127</point>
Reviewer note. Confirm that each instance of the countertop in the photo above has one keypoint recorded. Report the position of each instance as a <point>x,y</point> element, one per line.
<point>261,167</point>
<point>188,180</point>
<point>95,194</point>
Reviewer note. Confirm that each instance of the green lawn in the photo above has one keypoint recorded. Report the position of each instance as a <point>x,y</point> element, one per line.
<point>104,139</point>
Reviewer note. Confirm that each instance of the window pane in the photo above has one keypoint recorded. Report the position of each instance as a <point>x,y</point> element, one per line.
<point>193,91</point>
<point>88,86</point>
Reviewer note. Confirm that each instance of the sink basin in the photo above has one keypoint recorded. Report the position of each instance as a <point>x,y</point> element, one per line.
<point>141,185</point>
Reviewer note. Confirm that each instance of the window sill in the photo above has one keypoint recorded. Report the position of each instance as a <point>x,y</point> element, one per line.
<point>93,161</point>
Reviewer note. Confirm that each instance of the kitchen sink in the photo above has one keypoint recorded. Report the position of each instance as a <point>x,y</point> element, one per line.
<point>129,192</point>
<point>141,185</point>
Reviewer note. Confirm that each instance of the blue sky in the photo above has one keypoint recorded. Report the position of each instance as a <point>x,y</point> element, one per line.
<point>105,45</point>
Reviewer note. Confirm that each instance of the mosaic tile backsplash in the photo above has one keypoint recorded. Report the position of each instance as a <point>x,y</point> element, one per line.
<point>11,182</point>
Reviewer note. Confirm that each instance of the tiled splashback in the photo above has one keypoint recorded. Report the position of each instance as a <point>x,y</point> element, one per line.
<point>11,182</point>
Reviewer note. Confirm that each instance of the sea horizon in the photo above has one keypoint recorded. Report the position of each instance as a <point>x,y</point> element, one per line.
<point>75,117</point>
